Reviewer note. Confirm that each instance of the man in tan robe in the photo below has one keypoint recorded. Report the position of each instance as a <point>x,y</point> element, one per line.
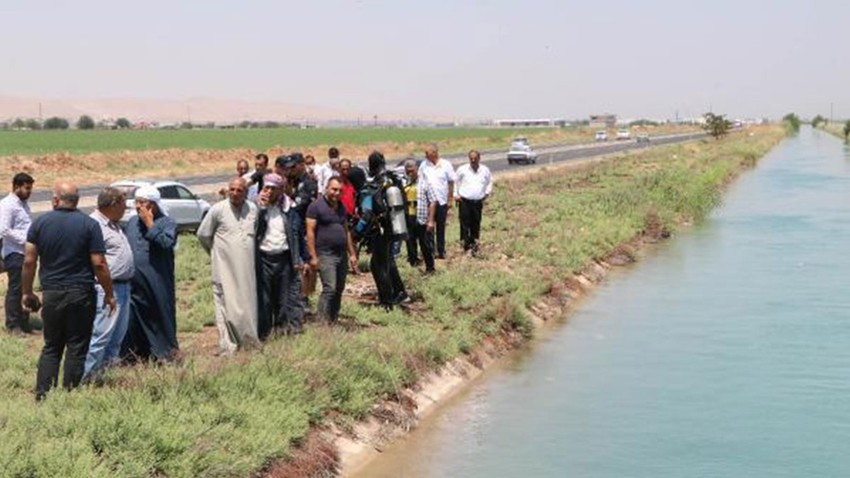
<point>227,233</point>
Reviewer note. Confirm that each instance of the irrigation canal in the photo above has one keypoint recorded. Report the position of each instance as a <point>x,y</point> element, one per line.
<point>724,353</point>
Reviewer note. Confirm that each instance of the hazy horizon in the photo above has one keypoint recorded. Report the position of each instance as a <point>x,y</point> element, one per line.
<point>439,59</point>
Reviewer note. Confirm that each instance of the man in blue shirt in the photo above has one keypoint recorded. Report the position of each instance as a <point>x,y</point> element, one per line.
<point>70,248</point>
<point>15,221</point>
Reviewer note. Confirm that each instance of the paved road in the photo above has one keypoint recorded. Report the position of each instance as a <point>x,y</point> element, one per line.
<point>207,185</point>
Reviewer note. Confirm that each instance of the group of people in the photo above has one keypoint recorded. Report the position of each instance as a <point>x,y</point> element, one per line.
<point>108,292</point>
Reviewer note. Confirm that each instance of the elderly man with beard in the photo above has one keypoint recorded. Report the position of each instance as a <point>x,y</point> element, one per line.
<point>278,261</point>
<point>152,329</point>
<point>227,234</point>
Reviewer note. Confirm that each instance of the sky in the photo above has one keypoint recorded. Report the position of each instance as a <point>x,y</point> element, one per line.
<point>459,59</point>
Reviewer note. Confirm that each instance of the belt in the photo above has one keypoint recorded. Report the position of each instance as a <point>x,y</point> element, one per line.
<point>121,281</point>
<point>274,254</point>
<point>471,200</point>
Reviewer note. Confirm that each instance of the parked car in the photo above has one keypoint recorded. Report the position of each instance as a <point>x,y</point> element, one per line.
<point>521,152</point>
<point>184,206</point>
<point>624,134</point>
<point>602,135</point>
<point>642,138</point>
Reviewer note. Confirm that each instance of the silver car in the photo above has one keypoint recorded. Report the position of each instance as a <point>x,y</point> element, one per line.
<point>184,206</point>
<point>521,152</point>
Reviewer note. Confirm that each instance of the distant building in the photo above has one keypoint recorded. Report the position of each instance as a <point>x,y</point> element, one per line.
<point>513,123</point>
<point>603,121</point>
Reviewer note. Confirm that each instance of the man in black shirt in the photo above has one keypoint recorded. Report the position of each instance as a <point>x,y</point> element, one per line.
<point>70,246</point>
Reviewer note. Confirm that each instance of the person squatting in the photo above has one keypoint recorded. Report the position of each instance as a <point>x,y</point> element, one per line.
<point>108,289</point>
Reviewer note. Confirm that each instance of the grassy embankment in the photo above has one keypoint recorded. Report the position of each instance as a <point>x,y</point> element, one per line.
<point>218,417</point>
<point>104,156</point>
<point>835,128</point>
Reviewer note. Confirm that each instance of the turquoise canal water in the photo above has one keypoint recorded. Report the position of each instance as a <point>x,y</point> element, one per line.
<point>725,353</point>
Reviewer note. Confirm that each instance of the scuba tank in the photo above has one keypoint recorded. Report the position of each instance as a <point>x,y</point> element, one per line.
<point>395,205</point>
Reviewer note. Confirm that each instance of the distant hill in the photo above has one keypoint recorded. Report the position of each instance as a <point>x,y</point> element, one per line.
<point>199,110</point>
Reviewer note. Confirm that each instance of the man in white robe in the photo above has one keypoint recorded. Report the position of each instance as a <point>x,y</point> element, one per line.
<point>227,233</point>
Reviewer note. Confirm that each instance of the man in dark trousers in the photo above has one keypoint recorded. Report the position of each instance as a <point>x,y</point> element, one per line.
<point>474,185</point>
<point>421,211</point>
<point>278,260</point>
<point>15,220</point>
<point>440,174</point>
<point>302,188</point>
<point>377,227</point>
<point>70,247</point>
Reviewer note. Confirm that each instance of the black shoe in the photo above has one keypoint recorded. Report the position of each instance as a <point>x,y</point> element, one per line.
<point>401,298</point>
<point>440,256</point>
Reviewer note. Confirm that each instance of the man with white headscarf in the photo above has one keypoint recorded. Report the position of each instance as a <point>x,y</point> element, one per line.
<point>227,234</point>
<point>278,260</point>
<point>152,329</point>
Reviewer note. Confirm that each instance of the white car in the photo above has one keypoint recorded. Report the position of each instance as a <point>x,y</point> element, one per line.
<point>624,134</point>
<point>184,206</point>
<point>602,135</point>
<point>521,152</point>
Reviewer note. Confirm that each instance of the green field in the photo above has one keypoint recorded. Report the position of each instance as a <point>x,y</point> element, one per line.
<point>214,417</point>
<point>75,141</point>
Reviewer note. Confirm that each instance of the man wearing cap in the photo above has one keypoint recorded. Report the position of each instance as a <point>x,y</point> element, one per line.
<point>278,260</point>
<point>152,328</point>
<point>303,190</point>
<point>227,234</point>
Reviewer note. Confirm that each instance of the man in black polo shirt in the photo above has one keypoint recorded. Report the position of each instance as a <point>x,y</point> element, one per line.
<point>331,248</point>
<point>70,246</point>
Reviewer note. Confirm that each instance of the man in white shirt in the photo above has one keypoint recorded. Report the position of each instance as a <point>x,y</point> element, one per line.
<point>474,185</point>
<point>440,174</point>
<point>329,169</point>
<point>15,221</point>
<point>278,260</point>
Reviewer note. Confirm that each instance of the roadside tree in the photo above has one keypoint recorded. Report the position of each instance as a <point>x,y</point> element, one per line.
<point>85,122</point>
<point>56,122</point>
<point>33,124</point>
<point>717,125</point>
<point>818,120</point>
<point>19,124</point>
<point>123,123</point>
<point>846,130</point>
<point>792,122</point>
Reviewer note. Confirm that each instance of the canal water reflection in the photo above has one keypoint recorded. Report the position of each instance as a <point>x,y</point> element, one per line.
<point>727,353</point>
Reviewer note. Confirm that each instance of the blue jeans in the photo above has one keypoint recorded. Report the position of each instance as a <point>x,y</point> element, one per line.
<point>109,330</point>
